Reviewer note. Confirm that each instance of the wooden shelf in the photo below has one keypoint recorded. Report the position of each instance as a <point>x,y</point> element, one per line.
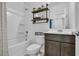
<point>40,10</point>
<point>34,20</point>
<point>39,22</point>
<point>40,18</point>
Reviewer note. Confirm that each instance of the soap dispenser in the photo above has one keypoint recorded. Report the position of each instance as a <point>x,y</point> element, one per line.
<point>50,23</point>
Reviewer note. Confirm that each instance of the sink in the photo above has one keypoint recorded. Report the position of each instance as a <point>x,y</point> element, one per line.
<point>60,30</point>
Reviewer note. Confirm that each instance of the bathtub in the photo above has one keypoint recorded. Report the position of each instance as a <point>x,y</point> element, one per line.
<point>16,48</point>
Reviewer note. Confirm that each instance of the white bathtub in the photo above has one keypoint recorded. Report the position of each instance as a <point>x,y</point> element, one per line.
<point>16,48</point>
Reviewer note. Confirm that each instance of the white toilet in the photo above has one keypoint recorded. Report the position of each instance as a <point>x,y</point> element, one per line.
<point>34,48</point>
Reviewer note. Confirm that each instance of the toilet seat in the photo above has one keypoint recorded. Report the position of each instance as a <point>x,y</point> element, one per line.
<point>33,47</point>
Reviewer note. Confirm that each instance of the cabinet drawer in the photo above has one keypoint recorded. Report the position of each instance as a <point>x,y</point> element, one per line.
<point>69,38</point>
<point>53,37</point>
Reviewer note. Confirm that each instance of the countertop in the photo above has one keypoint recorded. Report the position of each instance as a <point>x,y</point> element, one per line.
<point>63,31</point>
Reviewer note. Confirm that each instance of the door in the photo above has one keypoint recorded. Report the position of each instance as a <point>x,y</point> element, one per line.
<point>52,48</point>
<point>67,49</point>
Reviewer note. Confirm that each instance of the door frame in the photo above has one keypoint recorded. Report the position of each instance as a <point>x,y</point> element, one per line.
<point>3,30</point>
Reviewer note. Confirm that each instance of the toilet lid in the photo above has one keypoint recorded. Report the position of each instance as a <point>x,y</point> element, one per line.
<point>33,47</point>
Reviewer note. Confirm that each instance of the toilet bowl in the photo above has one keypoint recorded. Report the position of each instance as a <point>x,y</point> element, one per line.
<point>33,49</point>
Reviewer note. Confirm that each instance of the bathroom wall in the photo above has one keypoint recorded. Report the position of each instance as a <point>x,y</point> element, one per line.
<point>68,15</point>
<point>32,28</point>
<point>43,27</point>
<point>59,13</point>
<point>77,15</point>
<point>72,15</point>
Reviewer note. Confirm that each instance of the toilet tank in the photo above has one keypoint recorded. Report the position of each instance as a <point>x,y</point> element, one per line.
<point>39,39</point>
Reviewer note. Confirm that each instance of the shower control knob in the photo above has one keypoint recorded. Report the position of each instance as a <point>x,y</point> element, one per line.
<point>25,39</point>
<point>26,31</point>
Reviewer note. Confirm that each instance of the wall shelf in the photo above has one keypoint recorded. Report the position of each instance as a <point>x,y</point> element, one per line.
<point>40,10</point>
<point>40,18</point>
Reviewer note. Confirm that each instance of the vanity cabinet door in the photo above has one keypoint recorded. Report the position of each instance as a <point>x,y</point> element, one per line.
<point>69,39</point>
<point>52,48</point>
<point>67,49</point>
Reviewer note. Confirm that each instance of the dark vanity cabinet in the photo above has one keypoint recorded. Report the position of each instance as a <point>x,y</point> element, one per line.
<point>59,45</point>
